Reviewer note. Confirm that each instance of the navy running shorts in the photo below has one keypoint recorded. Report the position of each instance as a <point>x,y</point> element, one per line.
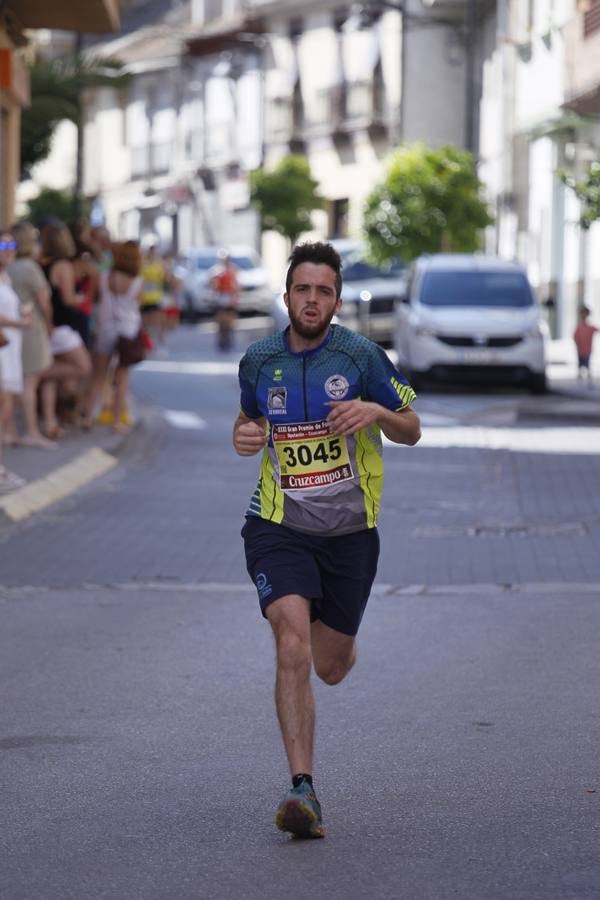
<point>335,573</point>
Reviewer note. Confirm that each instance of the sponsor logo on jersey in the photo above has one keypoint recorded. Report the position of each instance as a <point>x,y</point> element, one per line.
<point>337,387</point>
<point>277,401</point>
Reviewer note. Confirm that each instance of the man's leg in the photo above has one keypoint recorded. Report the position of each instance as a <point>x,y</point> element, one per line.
<point>290,620</point>
<point>333,653</point>
<point>299,812</point>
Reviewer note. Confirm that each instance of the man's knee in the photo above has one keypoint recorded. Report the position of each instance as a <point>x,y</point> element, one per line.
<point>334,671</point>
<point>293,651</point>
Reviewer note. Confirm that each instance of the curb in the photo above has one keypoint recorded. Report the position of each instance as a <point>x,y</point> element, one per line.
<point>57,485</point>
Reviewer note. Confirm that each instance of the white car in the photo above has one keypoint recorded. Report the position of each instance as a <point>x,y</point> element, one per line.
<point>198,298</point>
<point>470,316</point>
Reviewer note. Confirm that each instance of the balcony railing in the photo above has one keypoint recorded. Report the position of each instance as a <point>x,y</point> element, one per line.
<point>162,157</point>
<point>151,159</point>
<point>140,161</point>
<point>333,111</point>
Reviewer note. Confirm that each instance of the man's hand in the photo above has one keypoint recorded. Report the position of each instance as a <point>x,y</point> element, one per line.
<point>249,436</point>
<point>349,416</point>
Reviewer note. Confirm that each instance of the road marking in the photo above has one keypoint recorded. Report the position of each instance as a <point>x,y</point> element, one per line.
<point>58,484</point>
<point>382,590</point>
<point>571,440</point>
<point>179,418</point>
<point>170,367</point>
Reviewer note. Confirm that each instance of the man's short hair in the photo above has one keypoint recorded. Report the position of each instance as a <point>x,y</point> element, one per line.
<point>319,253</point>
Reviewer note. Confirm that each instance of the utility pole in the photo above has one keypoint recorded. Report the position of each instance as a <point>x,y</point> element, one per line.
<point>470,93</point>
<point>78,191</point>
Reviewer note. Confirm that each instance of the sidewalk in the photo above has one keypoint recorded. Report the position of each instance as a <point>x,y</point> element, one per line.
<point>83,456</point>
<point>53,474</point>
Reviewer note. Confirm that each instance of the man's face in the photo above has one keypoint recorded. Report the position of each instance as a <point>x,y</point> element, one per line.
<point>311,300</point>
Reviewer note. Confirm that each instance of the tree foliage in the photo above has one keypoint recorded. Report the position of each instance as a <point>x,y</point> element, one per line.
<point>56,88</point>
<point>588,192</point>
<point>53,202</point>
<point>286,196</point>
<point>428,202</point>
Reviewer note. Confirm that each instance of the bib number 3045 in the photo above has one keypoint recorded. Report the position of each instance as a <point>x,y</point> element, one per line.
<point>309,456</point>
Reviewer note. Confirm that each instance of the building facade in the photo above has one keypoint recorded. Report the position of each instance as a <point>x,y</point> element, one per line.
<point>540,115</point>
<point>219,88</point>
<point>15,17</point>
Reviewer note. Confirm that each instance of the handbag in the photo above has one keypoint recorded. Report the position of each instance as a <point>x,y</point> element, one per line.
<point>131,350</point>
<point>3,339</point>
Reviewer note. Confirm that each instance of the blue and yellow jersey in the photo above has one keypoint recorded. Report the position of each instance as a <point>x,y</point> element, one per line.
<point>311,479</point>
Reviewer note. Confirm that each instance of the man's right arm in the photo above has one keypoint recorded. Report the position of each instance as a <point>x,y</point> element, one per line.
<point>249,435</point>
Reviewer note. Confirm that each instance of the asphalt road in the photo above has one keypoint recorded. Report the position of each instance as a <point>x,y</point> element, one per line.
<point>139,751</point>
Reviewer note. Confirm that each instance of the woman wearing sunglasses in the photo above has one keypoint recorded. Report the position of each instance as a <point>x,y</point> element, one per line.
<point>12,321</point>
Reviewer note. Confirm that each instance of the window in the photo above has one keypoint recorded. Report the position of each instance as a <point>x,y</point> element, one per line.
<point>591,19</point>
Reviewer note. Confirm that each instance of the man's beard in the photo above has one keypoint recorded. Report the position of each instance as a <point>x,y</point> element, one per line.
<point>310,331</point>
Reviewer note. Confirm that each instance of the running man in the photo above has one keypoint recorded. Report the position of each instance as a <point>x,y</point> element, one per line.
<point>315,399</point>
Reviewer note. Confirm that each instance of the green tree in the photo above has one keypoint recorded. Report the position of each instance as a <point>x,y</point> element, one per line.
<point>428,202</point>
<point>587,191</point>
<point>53,202</point>
<point>56,89</point>
<point>285,196</point>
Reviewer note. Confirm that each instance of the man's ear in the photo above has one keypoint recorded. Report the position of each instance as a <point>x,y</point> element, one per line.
<point>338,304</point>
<point>286,299</point>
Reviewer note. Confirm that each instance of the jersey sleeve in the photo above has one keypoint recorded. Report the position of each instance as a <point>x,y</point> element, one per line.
<point>247,378</point>
<point>385,384</point>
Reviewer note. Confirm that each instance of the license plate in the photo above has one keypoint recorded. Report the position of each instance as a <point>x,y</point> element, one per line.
<point>473,357</point>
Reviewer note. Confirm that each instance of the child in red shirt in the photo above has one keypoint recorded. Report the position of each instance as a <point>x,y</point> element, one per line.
<point>584,337</point>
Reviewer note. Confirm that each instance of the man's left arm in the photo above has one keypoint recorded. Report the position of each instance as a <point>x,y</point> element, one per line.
<point>400,426</point>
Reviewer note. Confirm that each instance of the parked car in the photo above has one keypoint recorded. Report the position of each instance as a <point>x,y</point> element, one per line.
<point>198,298</point>
<point>470,316</point>
<point>369,294</point>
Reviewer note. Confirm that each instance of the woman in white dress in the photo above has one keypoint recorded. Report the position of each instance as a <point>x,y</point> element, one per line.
<point>12,321</point>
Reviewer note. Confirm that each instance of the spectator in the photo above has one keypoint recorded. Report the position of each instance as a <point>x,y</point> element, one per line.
<point>118,315</point>
<point>86,277</point>
<point>584,339</point>
<point>153,274</point>
<point>99,240</point>
<point>34,294</point>
<point>224,282</point>
<point>172,299</point>
<point>72,362</point>
<point>11,369</point>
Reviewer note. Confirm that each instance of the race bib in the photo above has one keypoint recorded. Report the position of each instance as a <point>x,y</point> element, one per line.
<point>310,456</point>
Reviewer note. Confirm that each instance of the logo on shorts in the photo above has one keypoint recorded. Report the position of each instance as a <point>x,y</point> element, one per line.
<point>262,586</point>
<point>277,400</point>
<point>337,387</point>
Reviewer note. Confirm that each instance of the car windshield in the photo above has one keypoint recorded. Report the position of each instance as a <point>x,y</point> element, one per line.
<point>243,262</point>
<point>206,261</point>
<point>476,289</point>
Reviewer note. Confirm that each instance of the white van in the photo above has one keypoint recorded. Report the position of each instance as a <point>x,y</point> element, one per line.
<point>470,316</point>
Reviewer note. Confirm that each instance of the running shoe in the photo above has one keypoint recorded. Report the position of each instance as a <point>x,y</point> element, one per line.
<point>300,813</point>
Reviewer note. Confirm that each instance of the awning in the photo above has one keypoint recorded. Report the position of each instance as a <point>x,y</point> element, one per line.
<point>93,16</point>
<point>587,104</point>
<point>237,31</point>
